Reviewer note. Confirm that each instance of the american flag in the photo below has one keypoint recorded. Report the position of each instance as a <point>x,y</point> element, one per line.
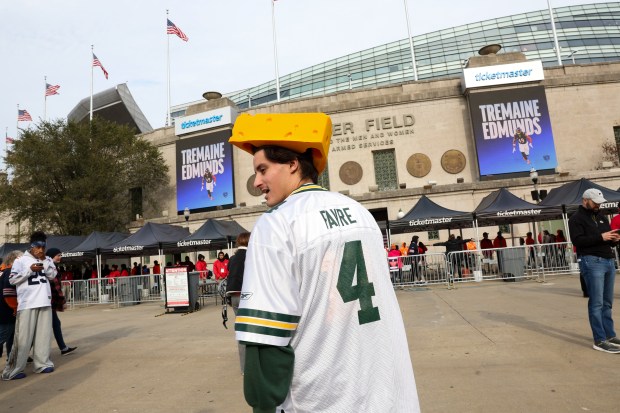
<point>23,116</point>
<point>8,140</point>
<point>51,89</point>
<point>173,29</point>
<point>96,62</point>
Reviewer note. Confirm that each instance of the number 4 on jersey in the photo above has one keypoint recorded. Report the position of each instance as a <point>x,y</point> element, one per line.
<point>352,260</point>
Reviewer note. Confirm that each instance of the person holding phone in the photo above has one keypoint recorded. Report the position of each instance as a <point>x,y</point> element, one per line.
<point>594,239</point>
<point>31,274</point>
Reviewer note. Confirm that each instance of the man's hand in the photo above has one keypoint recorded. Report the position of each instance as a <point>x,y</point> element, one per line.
<point>611,236</point>
<point>37,266</point>
<point>531,146</point>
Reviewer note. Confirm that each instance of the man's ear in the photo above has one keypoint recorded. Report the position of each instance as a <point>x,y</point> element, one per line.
<point>294,165</point>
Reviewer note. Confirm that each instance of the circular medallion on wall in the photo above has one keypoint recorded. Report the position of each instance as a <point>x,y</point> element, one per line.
<point>351,173</point>
<point>418,165</point>
<point>453,161</point>
<point>252,190</point>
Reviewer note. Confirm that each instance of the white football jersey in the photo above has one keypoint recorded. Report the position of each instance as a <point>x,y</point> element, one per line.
<point>33,288</point>
<point>316,277</point>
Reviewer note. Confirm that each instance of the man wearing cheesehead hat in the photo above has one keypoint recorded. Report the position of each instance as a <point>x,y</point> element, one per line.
<point>318,314</point>
<point>591,234</point>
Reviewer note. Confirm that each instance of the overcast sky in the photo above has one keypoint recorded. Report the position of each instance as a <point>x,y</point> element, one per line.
<point>230,44</point>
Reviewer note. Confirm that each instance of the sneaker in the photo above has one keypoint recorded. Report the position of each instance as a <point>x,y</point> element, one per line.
<point>51,369</point>
<point>606,347</point>
<point>18,376</point>
<point>614,341</point>
<point>67,350</point>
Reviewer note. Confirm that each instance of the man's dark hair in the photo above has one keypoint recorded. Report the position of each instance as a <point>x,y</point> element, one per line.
<point>38,236</point>
<point>282,155</point>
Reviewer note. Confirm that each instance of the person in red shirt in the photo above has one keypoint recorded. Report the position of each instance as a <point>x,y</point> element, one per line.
<point>201,267</point>
<point>529,241</point>
<point>156,267</point>
<point>220,267</point>
<point>615,221</point>
<point>486,244</point>
<point>499,242</point>
<point>124,272</point>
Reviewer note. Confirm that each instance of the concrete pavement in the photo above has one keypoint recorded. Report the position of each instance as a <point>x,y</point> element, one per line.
<point>488,347</point>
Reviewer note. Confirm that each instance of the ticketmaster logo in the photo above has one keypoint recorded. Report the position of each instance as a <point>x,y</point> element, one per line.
<point>129,248</point>
<point>429,221</point>
<point>481,77</point>
<point>200,122</point>
<point>190,243</point>
<point>515,212</point>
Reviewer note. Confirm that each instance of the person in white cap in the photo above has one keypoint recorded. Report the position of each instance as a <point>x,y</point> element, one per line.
<point>594,238</point>
<point>317,313</point>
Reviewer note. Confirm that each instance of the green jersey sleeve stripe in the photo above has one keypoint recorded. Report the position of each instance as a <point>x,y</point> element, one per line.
<point>267,331</point>
<point>248,312</point>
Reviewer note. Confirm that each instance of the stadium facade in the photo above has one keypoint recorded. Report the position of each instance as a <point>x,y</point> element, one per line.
<point>587,33</point>
<point>444,136</point>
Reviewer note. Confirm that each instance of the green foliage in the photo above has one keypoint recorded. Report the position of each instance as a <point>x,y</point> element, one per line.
<point>74,178</point>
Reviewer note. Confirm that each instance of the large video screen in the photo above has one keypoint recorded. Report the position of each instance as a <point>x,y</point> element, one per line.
<point>512,131</point>
<point>205,172</point>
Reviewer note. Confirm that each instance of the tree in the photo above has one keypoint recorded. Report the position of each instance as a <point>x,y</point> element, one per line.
<point>75,178</point>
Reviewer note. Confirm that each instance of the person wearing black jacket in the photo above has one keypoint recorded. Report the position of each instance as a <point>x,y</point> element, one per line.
<point>591,234</point>
<point>236,266</point>
<point>456,246</point>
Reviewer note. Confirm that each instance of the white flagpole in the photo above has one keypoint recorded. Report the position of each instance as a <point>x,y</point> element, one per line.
<point>92,53</point>
<point>415,69</point>
<point>555,35</point>
<point>45,100</point>
<point>17,123</point>
<point>168,120</point>
<point>275,48</point>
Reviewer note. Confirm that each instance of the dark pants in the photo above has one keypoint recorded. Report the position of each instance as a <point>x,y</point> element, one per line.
<point>7,333</point>
<point>57,331</point>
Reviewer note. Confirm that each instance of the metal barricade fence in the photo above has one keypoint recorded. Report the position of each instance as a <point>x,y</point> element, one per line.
<point>509,264</point>
<point>420,269</point>
<point>118,291</point>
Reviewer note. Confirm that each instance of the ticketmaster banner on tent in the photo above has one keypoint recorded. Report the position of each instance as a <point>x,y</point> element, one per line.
<point>512,131</point>
<point>204,172</point>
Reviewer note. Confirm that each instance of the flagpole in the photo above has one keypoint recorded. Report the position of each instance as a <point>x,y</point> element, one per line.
<point>275,48</point>
<point>92,53</point>
<point>6,144</point>
<point>45,99</point>
<point>415,69</point>
<point>555,35</point>
<point>17,123</point>
<point>168,120</point>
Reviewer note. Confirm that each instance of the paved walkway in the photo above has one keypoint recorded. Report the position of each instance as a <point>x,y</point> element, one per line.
<point>490,347</point>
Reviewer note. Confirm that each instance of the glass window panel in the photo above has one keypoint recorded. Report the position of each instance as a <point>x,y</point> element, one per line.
<point>385,169</point>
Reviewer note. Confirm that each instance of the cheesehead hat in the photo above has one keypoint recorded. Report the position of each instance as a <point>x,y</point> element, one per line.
<point>295,131</point>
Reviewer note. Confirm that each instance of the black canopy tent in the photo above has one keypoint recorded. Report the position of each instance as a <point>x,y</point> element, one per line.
<point>502,206</point>
<point>569,195</point>
<point>213,234</point>
<point>62,242</point>
<point>150,239</point>
<point>12,246</point>
<point>93,244</point>
<point>426,215</point>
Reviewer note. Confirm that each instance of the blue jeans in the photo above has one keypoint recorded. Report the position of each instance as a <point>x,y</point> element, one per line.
<point>600,275</point>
